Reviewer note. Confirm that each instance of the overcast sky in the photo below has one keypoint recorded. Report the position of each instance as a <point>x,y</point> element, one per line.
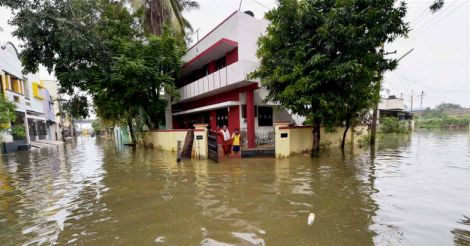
<point>439,64</point>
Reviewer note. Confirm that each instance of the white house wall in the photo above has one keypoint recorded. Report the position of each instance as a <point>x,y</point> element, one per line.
<point>225,30</point>
<point>249,30</point>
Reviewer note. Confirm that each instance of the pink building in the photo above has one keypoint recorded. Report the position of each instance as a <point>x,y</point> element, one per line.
<point>213,84</point>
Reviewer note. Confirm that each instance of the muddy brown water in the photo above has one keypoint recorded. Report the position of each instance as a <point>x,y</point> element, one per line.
<point>410,191</point>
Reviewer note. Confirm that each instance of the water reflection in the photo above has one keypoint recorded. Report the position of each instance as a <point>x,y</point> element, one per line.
<point>410,190</point>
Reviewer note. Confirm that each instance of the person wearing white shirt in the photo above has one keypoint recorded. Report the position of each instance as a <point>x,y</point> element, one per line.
<point>227,145</point>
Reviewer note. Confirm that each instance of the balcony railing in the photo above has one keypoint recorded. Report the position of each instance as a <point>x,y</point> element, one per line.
<point>230,75</point>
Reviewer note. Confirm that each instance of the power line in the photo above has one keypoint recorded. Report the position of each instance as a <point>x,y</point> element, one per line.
<point>434,16</point>
<point>429,86</point>
<point>438,21</point>
<point>420,29</point>
<point>420,16</point>
<point>261,4</point>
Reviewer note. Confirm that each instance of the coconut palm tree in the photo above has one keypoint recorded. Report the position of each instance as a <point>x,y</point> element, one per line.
<point>159,13</point>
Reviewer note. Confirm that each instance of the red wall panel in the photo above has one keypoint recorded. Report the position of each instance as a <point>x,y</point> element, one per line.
<point>233,118</point>
<point>231,57</point>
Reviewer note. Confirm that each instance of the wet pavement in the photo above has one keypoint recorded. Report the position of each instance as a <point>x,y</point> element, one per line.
<point>411,190</point>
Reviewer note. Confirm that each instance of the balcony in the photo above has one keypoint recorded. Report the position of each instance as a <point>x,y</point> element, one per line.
<point>17,98</point>
<point>225,79</point>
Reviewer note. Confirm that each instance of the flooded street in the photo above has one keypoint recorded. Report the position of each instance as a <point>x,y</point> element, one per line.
<point>412,191</point>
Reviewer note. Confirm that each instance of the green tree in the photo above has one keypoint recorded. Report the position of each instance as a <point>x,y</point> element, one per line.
<point>140,73</point>
<point>444,106</point>
<point>99,48</point>
<point>7,113</point>
<point>322,59</point>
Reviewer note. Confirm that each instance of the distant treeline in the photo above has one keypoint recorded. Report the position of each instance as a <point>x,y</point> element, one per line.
<point>445,115</point>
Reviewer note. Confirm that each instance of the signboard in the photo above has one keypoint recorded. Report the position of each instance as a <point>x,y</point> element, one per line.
<point>199,137</point>
<point>284,135</point>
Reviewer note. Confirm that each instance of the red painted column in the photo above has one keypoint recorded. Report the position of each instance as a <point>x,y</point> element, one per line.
<point>250,118</point>
<point>213,120</point>
<point>234,118</point>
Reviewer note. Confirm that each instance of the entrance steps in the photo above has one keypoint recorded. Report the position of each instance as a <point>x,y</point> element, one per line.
<point>45,143</point>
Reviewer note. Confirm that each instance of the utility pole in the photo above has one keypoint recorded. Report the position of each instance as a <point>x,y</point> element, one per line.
<point>373,129</point>
<point>411,101</point>
<point>421,104</point>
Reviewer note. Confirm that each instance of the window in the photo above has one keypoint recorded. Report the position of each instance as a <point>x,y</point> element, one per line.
<point>244,111</point>
<point>265,116</point>
<point>222,117</point>
<point>220,63</point>
<point>36,87</point>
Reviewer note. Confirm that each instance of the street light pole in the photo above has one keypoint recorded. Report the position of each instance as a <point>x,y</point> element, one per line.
<point>373,130</point>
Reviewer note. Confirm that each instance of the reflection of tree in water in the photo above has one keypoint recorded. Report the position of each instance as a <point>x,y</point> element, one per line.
<point>462,236</point>
<point>146,195</point>
<point>342,199</point>
<point>384,234</point>
<point>393,141</point>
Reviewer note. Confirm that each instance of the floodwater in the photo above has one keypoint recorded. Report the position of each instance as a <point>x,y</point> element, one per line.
<point>410,191</point>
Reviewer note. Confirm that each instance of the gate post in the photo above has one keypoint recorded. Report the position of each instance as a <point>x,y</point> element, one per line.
<point>200,140</point>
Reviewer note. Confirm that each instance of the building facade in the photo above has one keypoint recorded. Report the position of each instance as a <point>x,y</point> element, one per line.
<point>213,86</point>
<point>34,112</point>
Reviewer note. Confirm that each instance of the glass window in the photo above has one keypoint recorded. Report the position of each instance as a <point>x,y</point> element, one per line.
<point>265,116</point>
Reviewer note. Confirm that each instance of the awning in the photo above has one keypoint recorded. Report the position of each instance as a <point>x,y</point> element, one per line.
<point>33,117</point>
<point>209,107</point>
<point>216,51</point>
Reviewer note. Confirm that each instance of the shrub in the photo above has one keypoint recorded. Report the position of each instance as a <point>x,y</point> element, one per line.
<point>364,141</point>
<point>18,131</point>
<point>391,125</point>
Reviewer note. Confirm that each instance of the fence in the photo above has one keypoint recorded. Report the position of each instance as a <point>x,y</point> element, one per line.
<point>264,137</point>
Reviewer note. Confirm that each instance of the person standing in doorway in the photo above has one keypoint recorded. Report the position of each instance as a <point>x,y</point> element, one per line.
<point>236,142</point>
<point>227,145</point>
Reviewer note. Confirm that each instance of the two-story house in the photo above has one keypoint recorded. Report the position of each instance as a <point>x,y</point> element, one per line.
<point>213,84</point>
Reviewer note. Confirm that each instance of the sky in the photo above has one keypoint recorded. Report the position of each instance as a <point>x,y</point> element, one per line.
<point>438,67</point>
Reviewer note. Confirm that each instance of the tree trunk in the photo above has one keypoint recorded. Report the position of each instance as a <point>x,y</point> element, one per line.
<point>348,123</point>
<point>131,130</point>
<point>373,129</point>
<point>72,127</point>
<point>316,137</point>
<point>155,17</point>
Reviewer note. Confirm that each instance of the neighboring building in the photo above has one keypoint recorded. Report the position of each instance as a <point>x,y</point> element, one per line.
<point>54,117</point>
<point>84,127</point>
<point>33,110</point>
<point>394,107</point>
<point>15,88</point>
<point>213,84</point>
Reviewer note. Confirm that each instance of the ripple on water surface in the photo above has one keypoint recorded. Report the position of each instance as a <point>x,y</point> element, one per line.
<point>411,191</point>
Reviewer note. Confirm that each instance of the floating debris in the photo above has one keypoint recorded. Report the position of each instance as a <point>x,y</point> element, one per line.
<point>250,238</point>
<point>262,232</point>
<point>166,195</point>
<point>204,232</point>
<point>160,239</point>
<point>311,219</point>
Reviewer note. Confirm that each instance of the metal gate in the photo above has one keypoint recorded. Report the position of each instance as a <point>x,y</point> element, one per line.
<point>212,146</point>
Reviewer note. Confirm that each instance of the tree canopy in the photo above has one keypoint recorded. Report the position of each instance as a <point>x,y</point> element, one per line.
<point>323,59</point>
<point>159,13</point>
<point>7,113</point>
